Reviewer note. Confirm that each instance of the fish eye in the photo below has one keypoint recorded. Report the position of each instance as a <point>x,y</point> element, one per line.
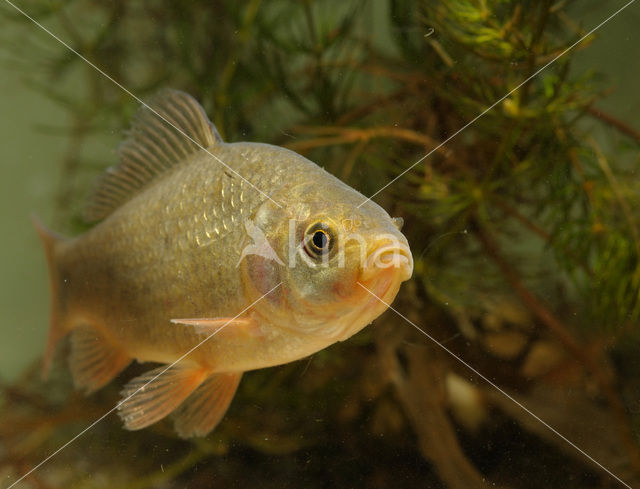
<point>318,240</point>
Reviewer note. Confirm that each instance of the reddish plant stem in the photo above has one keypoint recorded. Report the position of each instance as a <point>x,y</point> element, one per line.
<point>616,123</point>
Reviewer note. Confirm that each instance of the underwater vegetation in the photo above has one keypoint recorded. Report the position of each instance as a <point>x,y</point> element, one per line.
<point>524,229</point>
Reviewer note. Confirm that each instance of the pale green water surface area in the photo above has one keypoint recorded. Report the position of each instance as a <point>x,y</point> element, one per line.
<point>29,173</point>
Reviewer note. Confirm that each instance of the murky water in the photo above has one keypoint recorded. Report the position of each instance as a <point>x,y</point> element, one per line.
<point>288,423</point>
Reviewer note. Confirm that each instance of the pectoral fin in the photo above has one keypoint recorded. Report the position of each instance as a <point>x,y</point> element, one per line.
<point>204,409</point>
<point>222,326</point>
<point>152,396</point>
<point>94,361</point>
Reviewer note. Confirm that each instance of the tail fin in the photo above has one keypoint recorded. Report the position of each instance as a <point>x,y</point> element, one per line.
<point>56,328</point>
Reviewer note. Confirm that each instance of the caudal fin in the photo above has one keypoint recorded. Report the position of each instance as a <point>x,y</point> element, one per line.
<point>56,327</point>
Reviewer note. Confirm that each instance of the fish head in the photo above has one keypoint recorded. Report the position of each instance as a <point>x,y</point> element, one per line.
<point>337,263</point>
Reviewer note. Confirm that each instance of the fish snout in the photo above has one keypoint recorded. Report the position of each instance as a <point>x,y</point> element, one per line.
<point>389,253</point>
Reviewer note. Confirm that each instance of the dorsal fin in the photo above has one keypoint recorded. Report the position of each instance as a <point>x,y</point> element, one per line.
<point>163,133</point>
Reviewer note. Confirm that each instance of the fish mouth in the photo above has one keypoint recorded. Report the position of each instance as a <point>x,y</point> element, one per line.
<point>388,255</point>
<point>386,266</point>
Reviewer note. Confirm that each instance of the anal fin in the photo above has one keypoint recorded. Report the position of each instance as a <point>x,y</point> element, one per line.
<point>94,361</point>
<point>206,406</point>
<point>152,396</point>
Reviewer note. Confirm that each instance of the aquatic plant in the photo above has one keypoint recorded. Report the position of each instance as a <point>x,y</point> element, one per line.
<point>524,229</point>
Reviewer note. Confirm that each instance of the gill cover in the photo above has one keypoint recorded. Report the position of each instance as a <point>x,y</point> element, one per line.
<point>262,260</point>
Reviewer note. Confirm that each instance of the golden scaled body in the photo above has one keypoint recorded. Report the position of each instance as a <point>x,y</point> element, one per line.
<point>250,247</point>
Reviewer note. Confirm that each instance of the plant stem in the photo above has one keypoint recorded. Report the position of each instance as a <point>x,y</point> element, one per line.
<point>615,123</point>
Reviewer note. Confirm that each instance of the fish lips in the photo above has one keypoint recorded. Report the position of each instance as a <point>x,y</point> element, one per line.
<point>388,256</point>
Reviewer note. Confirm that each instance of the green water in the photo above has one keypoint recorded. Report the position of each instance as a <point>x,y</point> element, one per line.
<point>28,178</point>
<point>31,161</point>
